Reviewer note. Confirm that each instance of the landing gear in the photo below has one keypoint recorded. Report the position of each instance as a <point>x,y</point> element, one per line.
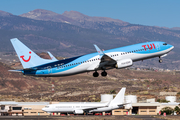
<point>104,73</point>
<point>160,60</point>
<point>95,74</point>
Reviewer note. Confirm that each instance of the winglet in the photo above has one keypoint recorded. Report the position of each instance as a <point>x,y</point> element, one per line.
<point>52,57</point>
<point>101,53</point>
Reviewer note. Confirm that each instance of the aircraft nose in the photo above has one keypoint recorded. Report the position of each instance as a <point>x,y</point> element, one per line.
<point>172,47</point>
<point>43,109</point>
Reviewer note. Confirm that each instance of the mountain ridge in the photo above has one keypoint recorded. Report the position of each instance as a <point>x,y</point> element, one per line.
<point>3,13</point>
<point>18,87</point>
<point>46,15</point>
<point>71,16</point>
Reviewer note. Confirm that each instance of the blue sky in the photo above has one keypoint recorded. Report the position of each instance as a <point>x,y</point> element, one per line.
<point>163,13</point>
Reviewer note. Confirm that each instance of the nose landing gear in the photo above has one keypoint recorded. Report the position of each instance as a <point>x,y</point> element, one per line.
<point>160,60</point>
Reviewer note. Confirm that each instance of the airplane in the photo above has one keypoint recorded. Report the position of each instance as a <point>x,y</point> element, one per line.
<point>88,107</point>
<point>118,58</point>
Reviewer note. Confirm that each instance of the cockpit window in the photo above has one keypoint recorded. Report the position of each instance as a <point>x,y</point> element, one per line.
<point>164,43</point>
<point>46,106</point>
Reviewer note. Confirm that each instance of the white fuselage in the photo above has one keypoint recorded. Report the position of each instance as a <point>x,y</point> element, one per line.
<point>71,107</point>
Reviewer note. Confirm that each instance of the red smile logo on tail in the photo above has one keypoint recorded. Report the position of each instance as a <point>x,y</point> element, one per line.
<point>27,59</point>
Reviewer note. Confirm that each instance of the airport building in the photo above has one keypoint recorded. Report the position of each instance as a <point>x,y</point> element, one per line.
<point>22,108</point>
<point>150,107</point>
<point>139,109</point>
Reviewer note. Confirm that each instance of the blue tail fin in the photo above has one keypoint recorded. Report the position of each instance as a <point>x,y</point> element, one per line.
<point>27,57</point>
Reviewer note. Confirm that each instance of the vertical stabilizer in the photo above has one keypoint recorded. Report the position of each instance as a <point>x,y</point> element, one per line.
<point>119,99</point>
<point>26,56</point>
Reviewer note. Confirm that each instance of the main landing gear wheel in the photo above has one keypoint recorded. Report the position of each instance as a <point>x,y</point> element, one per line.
<point>104,73</point>
<point>96,74</point>
<point>160,60</point>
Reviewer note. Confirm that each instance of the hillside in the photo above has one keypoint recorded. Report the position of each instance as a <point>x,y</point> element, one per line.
<point>84,87</point>
<point>73,33</point>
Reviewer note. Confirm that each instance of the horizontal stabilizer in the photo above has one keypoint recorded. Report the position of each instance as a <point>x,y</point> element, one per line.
<point>15,70</point>
<point>20,70</point>
<point>123,104</point>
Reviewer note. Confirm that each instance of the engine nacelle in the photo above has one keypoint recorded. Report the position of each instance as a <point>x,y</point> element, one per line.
<point>78,111</point>
<point>124,63</point>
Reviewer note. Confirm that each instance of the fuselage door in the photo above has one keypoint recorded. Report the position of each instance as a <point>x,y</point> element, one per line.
<point>49,69</point>
<point>158,46</point>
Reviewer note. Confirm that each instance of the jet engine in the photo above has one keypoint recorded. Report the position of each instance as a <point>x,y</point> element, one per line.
<point>78,111</point>
<point>124,63</point>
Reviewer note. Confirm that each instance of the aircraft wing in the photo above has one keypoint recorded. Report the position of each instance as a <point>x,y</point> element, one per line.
<point>106,58</point>
<point>91,108</point>
<point>123,104</point>
<point>106,61</point>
